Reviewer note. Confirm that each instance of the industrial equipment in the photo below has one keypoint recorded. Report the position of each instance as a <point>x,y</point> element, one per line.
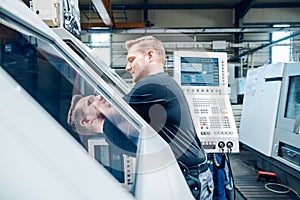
<point>203,78</point>
<point>270,119</point>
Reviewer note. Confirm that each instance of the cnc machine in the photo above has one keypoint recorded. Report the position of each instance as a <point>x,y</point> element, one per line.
<point>204,81</point>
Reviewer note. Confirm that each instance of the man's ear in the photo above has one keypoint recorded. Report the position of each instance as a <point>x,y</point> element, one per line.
<point>151,54</point>
<point>85,122</point>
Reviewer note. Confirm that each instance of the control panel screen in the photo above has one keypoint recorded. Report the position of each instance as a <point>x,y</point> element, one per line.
<point>197,71</point>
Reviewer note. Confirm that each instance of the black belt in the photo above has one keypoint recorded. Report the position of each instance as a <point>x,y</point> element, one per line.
<point>201,167</point>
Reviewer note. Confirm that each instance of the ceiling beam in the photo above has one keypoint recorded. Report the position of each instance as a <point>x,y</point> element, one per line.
<point>242,8</point>
<point>171,6</point>
<point>116,25</point>
<point>277,5</point>
<point>104,11</point>
<point>130,25</point>
<point>202,6</point>
<point>141,28</point>
<point>146,10</point>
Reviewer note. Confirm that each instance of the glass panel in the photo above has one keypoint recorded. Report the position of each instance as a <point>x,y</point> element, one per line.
<point>95,62</point>
<point>293,99</point>
<point>52,79</point>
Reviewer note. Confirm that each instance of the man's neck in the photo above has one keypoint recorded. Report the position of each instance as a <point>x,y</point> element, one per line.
<point>156,68</point>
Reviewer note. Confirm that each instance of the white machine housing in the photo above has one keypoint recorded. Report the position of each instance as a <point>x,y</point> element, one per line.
<point>204,80</point>
<point>286,143</point>
<point>59,13</point>
<point>49,11</point>
<point>260,107</point>
<point>270,120</point>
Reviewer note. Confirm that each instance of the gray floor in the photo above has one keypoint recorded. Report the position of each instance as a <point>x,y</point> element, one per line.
<point>243,166</point>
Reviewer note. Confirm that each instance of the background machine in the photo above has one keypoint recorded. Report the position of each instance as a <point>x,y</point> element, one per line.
<point>270,119</point>
<point>203,78</point>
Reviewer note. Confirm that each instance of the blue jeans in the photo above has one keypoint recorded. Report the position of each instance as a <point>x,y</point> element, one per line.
<point>199,181</point>
<point>207,185</point>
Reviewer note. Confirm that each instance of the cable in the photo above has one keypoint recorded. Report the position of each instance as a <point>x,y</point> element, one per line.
<point>280,192</point>
<point>231,175</point>
<point>216,163</point>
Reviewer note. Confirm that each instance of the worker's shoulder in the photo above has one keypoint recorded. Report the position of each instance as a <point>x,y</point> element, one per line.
<point>159,78</point>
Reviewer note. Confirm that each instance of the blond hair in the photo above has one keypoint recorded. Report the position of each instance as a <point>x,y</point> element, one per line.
<point>75,115</point>
<point>143,44</point>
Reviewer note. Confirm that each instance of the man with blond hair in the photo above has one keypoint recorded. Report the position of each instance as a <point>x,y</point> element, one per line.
<point>159,100</point>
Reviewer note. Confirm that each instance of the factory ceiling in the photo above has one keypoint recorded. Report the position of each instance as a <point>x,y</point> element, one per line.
<point>106,13</point>
<point>113,15</point>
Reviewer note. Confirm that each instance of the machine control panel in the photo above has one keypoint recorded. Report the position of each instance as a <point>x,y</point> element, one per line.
<point>203,78</point>
<point>214,123</point>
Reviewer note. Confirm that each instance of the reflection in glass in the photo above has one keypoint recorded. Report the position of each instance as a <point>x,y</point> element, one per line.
<point>52,80</point>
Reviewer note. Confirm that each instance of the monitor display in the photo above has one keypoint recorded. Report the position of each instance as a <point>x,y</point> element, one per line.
<point>292,109</point>
<point>199,71</point>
